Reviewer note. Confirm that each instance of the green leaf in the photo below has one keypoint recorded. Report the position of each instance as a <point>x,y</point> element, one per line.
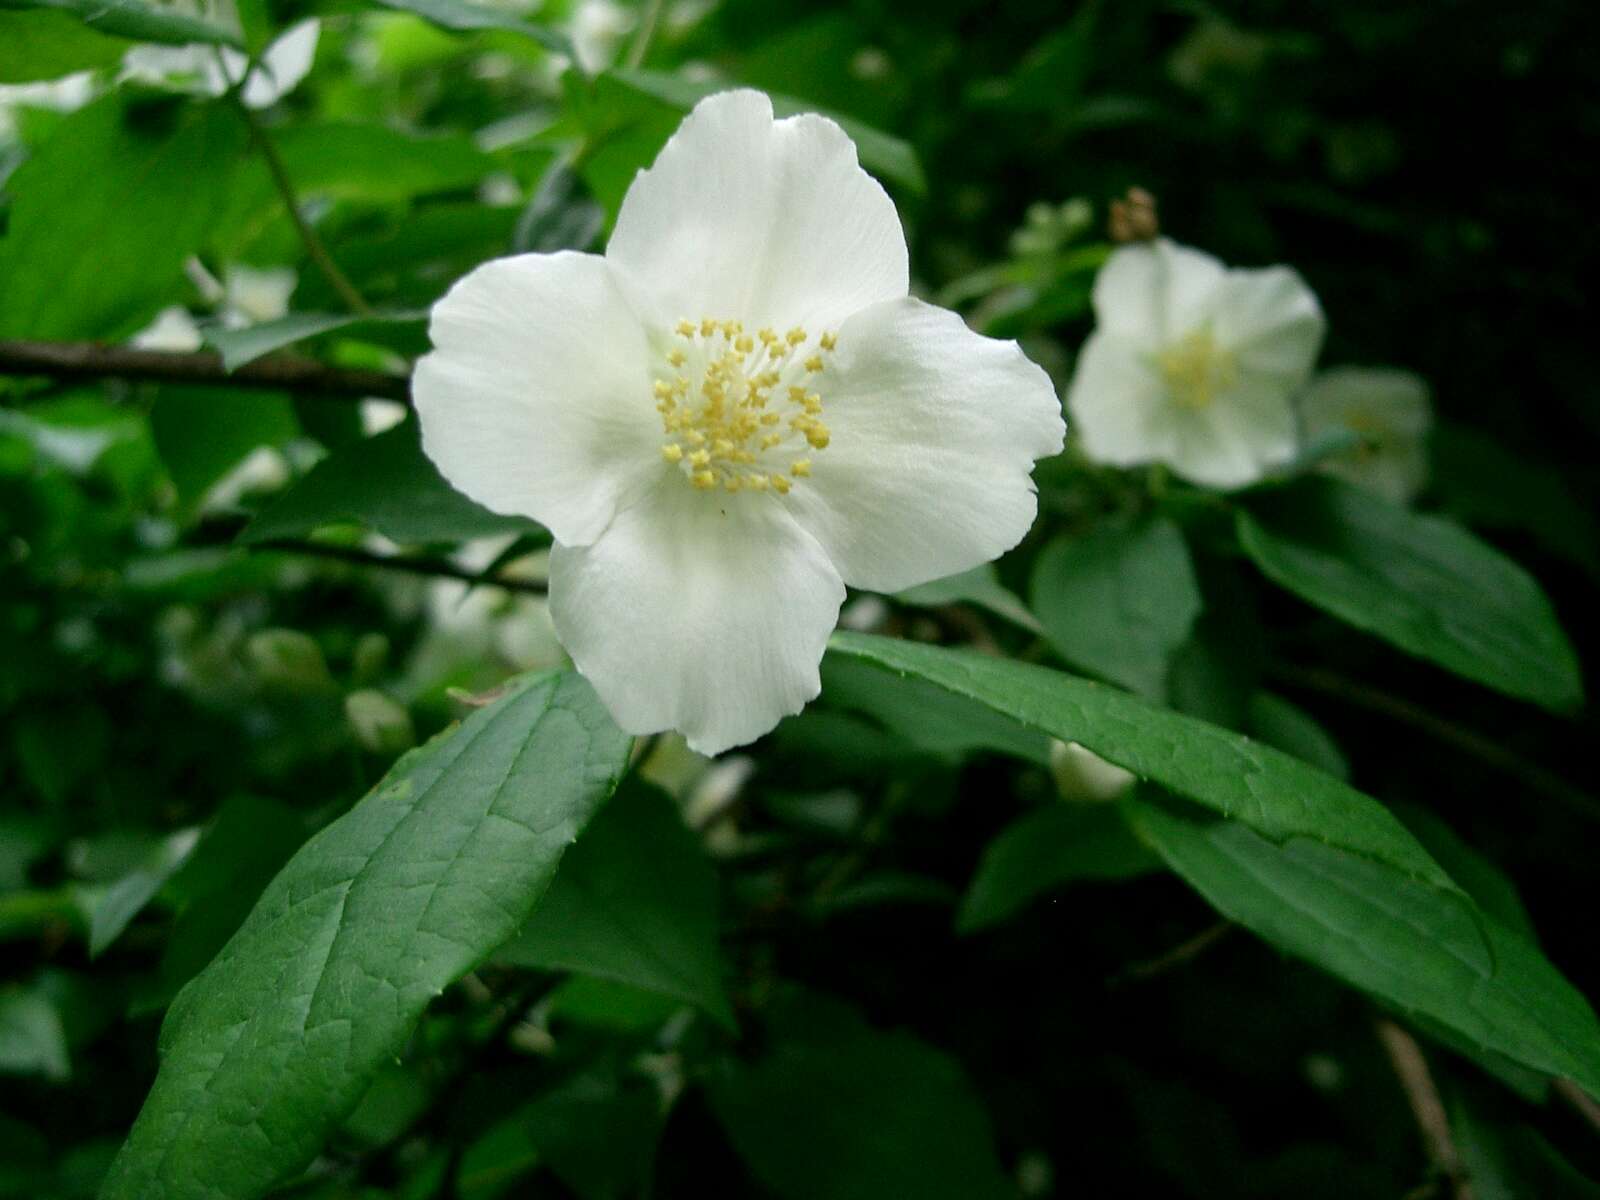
<point>266,1050</point>
<point>880,153</point>
<point>386,483</point>
<point>241,346</point>
<point>1278,796</point>
<point>464,17</point>
<point>1390,935</point>
<point>142,187</point>
<point>139,22</point>
<point>927,716</point>
<point>635,902</point>
<point>1119,601</point>
<point>1046,849</point>
<point>119,903</point>
<point>1291,729</point>
<point>32,1039</point>
<point>980,586</point>
<point>1421,583</point>
<point>47,45</point>
<point>203,433</point>
<point>837,1110</point>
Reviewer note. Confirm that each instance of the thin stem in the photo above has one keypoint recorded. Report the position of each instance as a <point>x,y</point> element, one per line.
<point>439,568</point>
<point>1180,955</point>
<point>647,32</point>
<point>278,372</point>
<point>1411,1068</point>
<point>1478,746</point>
<point>1582,1103</point>
<point>313,244</point>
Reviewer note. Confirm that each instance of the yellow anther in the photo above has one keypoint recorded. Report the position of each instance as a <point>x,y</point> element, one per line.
<point>817,435</point>
<point>828,340</point>
<point>800,468</point>
<point>814,363</point>
<point>767,336</point>
<point>700,458</point>
<point>707,327</point>
<point>731,483</point>
<point>770,440</point>
<point>797,394</point>
<point>676,357</point>
<point>744,343</point>
<point>795,336</point>
<point>756,483</point>
<point>770,418</point>
<point>662,389</point>
<point>672,452</point>
<point>781,484</point>
<point>812,404</point>
<point>703,480</point>
<point>696,438</point>
<point>685,328</point>
<point>722,446</point>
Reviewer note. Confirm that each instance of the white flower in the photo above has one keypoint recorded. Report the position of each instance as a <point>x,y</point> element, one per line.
<point>1194,365</point>
<point>206,70</point>
<point>733,413</point>
<point>1083,776</point>
<point>1389,410</point>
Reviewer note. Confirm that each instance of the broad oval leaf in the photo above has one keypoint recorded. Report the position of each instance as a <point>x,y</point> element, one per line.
<point>462,16</point>
<point>1404,943</point>
<point>140,22</point>
<point>1276,795</point>
<point>1421,583</point>
<point>271,1045</point>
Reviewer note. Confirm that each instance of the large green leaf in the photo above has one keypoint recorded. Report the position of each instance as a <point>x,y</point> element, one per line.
<point>384,482</point>
<point>131,19</point>
<point>203,433</point>
<point>47,45</point>
<point>104,215</point>
<point>635,902</point>
<point>1119,601</point>
<point>269,1047</point>
<point>1278,796</point>
<point>1389,935</point>
<point>462,16</point>
<point>1422,583</point>
<point>837,1110</point>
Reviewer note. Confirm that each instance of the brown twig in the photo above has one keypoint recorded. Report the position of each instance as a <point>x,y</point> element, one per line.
<point>1411,1068</point>
<point>1484,749</point>
<point>280,372</point>
<point>1178,956</point>
<point>1582,1103</point>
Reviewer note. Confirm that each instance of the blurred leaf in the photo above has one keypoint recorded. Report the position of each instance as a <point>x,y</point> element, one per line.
<point>1513,1161</point>
<point>142,186</point>
<point>386,483</point>
<point>461,16</point>
<point>1421,583</point>
<point>836,1110</point>
<point>635,901</point>
<point>1406,943</point>
<point>1478,876</point>
<point>928,717</point>
<point>1276,795</point>
<point>270,1046</point>
<point>980,586</point>
<point>241,346</point>
<point>41,44</point>
<point>202,433</point>
<point>1119,601</point>
<point>881,153</point>
<point>32,1041</point>
<point>1289,728</point>
<point>122,901</point>
<point>131,19</point>
<point>559,216</point>
<point>1046,849</point>
<point>606,1004</point>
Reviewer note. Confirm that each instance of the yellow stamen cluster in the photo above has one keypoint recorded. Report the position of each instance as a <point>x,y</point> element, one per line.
<point>1195,369</point>
<point>732,401</point>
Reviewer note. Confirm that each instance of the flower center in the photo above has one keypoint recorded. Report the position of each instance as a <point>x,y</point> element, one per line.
<point>741,411</point>
<point>1195,369</point>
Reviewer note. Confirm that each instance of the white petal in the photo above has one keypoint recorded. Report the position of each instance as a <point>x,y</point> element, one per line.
<point>283,64</point>
<point>1384,400</point>
<point>934,433</point>
<point>1246,433</point>
<point>699,612</point>
<point>1120,409</point>
<point>536,397</point>
<point>771,222</point>
<point>1155,292</point>
<point>1272,323</point>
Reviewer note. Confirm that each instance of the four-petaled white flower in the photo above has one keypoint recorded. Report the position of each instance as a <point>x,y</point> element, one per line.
<point>1194,365</point>
<point>732,414</point>
<point>1389,410</point>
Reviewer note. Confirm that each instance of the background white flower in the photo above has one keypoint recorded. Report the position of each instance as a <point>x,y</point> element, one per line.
<point>1194,365</point>
<point>203,69</point>
<point>1389,410</point>
<point>732,414</point>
